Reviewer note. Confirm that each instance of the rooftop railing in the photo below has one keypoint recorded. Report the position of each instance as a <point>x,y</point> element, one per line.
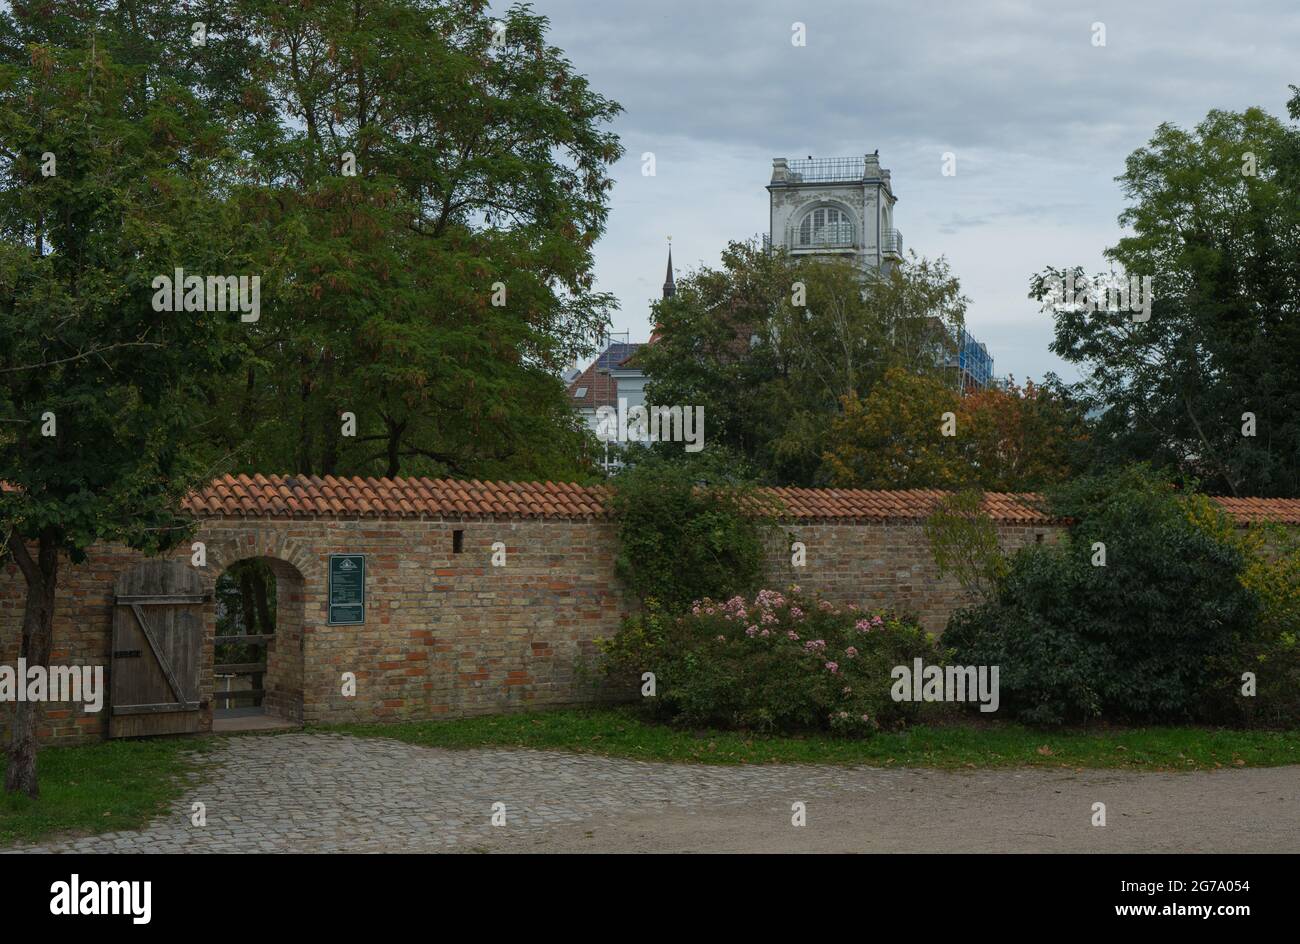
<point>824,170</point>
<point>828,237</point>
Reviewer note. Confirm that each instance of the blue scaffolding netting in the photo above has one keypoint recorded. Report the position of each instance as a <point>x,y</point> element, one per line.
<point>973,359</point>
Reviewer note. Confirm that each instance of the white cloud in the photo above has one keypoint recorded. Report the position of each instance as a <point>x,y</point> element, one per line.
<point>1040,120</point>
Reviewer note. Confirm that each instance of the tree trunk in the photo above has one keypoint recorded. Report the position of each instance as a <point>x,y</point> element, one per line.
<point>329,447</point>
<point>260,594</point>
<point>329,442</point>
<point>246,409</point>
<point>304,420</point>
<point>246,601</point>
<point>38,634</point>
<point>395,431</point>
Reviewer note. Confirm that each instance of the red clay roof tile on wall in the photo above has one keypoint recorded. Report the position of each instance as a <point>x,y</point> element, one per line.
<point>312,496</point>
<point>302,496</point>
<point>1281,510</point>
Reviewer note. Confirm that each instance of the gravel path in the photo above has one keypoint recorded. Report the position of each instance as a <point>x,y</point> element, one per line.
<point>304,792</point>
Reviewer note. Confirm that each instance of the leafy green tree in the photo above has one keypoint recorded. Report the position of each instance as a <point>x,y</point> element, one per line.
<point>773,345</point>
<point>439,185</point>
<point>106,181</point>
<point>398,160</point>
<point>1215,220</point>
<point>707,351</point>
<point>896,438</point>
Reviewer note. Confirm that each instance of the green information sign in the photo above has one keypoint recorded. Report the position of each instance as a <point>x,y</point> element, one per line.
<point>347,589</point>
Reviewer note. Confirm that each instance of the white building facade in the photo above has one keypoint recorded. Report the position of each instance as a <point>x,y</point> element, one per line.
<point>836,206</point>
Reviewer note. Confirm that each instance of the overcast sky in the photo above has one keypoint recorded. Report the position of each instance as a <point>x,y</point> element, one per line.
<point>1040,121</point>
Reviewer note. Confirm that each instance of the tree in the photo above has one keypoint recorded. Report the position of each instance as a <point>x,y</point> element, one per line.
<point>1021,439</point>
<point>707,352</point>
<point>106,181</point>
<point>1209,386</point>
<point>439,185</point>
<point>1002,439</point>
<point>772,345</point>
<point>689,530</point>
<point>895,436</point>
<point>963,541</point>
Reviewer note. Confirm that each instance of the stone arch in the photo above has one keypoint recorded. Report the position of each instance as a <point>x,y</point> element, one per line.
<point>224,547</point>
<point>295,568</point>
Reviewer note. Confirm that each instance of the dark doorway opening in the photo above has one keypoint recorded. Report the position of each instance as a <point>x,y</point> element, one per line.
<point>245,693</point>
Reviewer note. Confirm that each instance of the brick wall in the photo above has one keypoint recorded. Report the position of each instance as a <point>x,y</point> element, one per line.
<point>881,564</point>
<point>446,634</point>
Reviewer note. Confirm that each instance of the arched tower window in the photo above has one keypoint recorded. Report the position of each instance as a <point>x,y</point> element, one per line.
<point>825,227</point>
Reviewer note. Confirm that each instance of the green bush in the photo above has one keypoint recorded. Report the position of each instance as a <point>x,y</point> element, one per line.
<point>687,531</point>
<point>1161,632</point>
<point>963,540</point>
<point>778,663</point>
<point>1273,574</point>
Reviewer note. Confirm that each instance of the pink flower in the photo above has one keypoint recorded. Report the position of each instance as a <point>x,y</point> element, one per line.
<point>877,621</point>
<point>766,632</point>
<point>862,625</point>
<point>793,635</point>
<point>832,667</point>
<point>722,639</point>
<point>751,630</point>
<point>796,613</point>
<point>815,645</point>
<point>851,652</point>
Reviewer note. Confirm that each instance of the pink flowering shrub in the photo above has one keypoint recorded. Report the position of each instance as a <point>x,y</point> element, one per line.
<point>778,662</point>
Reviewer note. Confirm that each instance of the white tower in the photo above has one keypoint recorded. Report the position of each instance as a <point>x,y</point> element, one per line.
<point>841,206</point>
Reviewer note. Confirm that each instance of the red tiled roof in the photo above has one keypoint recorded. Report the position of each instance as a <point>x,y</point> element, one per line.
<point>598,389</point>
<point>857,503</point>
<point>597,381</point>
<point>1281,510</point>
<point>311,496</point>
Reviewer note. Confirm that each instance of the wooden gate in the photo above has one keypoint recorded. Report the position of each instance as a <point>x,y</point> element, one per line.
<point>157,650</point>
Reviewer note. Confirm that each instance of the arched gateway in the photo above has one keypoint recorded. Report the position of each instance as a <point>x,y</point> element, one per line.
<point>163,669</point>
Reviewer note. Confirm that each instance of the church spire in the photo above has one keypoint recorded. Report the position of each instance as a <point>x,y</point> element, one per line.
<point>670,287</point>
